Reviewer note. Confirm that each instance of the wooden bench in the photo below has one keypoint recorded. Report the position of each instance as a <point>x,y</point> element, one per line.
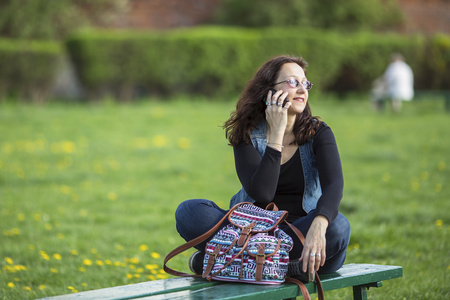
<point>359,276</point>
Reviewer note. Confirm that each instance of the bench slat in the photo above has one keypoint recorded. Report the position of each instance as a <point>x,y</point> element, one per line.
<point>140,290</point>
<point>359,274</point>
<point>349,275</point>
<point>195,288</point>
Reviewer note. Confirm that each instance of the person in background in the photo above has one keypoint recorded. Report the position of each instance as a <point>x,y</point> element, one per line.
<point>283,155</point>
<point>396,84</point>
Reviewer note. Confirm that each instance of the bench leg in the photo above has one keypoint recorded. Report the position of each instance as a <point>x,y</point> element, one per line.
<point>360,292</point>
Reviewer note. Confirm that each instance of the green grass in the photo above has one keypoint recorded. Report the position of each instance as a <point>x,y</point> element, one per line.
<point>88,191</point>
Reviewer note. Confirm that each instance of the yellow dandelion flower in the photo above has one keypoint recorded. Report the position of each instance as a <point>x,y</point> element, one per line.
<point>151,277</point>
<point>48,226</point>
<point>37,217</point>
<point>44,255</point>
<point>87,262</point>
<point>108,262</point>
<point>98,168</point>
<point>439,223</point>
<point>84,284</point>
<point>162,276</point>
<point>20,217</point>
<point>15,231</point>
<point>117,263</point>
<point>183,143</point>
<point>53,270</point>
<point>415,186</point>
<point>99,262</point>
<point>20,173</point>
<point>119,247</point>
<point>60,236</point>
<point>140,270</point>
<point>65,189</point>
<point>41,287</point>
<point>57,256</point>
<point>137,275</point>
<point>132,267</point>
<point>9,260</point>
<point>129,276</point>
<point>94,251</point>
<point>143,248</point>
<point>151,266</point>
<point>112,196</point>
<point>27,288</point>
<point>11,285</point>
<point>159,141</point>
<point>441,166</point>
<point>20,268</point>
<point>68,147</point>
<point>74,252</point>
<point>134,260</point>
<point>81,269</point>
<point>155,255</point>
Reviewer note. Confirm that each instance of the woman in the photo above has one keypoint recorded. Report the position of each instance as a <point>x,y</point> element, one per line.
<point>283,155</point>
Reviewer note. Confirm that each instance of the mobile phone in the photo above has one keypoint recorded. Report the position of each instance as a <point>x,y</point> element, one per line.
<point>265,97</point>
<point>273,92</point>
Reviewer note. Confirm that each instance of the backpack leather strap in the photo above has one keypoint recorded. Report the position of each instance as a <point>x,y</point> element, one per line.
<point>190,244</point>
<point>320,293</point>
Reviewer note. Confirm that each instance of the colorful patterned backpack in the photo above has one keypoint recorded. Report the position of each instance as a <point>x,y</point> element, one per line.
<point>251,249</point>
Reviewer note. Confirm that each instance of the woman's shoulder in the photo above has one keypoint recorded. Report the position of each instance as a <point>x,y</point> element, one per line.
<point>321,127</point>
<point>323,134</point>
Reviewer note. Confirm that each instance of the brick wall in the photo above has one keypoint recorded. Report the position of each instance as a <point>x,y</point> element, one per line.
<point>163,14</point>
<point>425,16</point>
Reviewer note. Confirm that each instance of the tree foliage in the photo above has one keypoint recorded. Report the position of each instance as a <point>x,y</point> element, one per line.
<point>53,19</point>
<point>327,14</point>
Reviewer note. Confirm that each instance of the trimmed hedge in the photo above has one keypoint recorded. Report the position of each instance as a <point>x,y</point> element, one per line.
<point>217,61</point>
<point>28,68</point>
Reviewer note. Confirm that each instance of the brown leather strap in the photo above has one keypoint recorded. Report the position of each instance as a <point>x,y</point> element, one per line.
<point>320,293</point>
<point>260,260</point>
<point>211,261</point>
<point>299,234</point>
<point>272,206</point>
<point>301,286</point>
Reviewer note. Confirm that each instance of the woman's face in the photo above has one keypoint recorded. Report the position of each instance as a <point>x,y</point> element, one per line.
<point>298,96</point>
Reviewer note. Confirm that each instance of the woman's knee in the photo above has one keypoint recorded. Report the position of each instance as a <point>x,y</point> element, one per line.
<point>340,229</point>
<point>188,208</point>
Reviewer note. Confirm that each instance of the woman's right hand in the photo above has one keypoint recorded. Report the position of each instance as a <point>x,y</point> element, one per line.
<point>276,116</point>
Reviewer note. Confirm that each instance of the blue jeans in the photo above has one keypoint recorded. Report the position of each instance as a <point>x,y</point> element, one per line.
<point>197,216</point>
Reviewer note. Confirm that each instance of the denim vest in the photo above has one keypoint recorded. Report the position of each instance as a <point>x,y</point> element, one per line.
<point>312,190</point>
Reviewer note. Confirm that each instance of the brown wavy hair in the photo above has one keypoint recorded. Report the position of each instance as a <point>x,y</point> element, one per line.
<point>250,108</point>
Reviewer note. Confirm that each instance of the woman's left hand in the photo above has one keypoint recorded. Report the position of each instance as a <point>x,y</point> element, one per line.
<point>314,250</point>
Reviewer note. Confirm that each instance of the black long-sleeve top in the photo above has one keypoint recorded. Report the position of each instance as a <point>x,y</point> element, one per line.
<point>266,180</point>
